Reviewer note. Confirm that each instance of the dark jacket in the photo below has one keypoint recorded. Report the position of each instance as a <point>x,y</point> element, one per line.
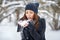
<point>30,32</point>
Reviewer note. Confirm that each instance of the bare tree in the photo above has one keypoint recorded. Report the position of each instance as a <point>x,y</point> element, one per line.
<point>54,9</point>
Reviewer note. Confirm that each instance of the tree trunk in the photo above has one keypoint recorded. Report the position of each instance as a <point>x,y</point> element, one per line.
<point>17,15</point>
<point>55,21</point>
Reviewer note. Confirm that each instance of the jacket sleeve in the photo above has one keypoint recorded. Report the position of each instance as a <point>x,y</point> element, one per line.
<point>41,30</point>
<point>42,27</point>
<point>19,28</point>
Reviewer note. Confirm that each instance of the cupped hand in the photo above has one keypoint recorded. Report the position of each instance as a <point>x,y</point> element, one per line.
<point>23,23</point>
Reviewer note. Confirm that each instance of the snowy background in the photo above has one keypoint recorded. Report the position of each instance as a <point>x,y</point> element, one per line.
<point>8,19</point>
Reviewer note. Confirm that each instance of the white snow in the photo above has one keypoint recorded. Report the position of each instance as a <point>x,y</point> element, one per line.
<point>52,34</point>
<point>8,31</point>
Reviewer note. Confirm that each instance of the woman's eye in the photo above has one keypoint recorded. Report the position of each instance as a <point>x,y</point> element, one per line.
<point>26,12</point>
<point>31,12</point>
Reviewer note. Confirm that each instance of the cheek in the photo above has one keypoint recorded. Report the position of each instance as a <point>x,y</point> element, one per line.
<point>26,15</point>
<point>32,16</point>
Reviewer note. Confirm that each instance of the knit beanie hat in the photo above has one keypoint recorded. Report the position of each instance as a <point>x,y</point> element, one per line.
<point>33,7</point>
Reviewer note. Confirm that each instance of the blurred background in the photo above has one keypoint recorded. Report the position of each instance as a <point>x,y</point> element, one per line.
<point>12,10</point>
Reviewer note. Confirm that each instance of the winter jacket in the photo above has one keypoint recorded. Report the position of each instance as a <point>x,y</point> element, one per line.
<point>30,32</point>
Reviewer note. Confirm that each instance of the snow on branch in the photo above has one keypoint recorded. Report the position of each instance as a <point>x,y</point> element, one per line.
<point>7,14</point>
<point>48,13</point>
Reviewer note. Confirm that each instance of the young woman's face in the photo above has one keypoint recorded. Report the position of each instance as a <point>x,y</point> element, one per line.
<point>29,14</point>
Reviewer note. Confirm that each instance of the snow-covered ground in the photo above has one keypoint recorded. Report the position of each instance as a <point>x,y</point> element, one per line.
<point>51,34</point>
<point>8,31</point>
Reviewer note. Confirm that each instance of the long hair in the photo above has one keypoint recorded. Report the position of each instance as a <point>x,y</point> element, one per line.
<point>35,18</point>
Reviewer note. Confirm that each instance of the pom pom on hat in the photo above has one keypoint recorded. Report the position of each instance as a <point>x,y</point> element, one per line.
<point>36,4</point>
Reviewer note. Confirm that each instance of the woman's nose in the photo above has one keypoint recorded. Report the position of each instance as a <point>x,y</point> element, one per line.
<point>28,15</point>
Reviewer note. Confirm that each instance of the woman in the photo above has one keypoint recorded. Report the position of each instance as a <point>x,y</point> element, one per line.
<point>33,26</point>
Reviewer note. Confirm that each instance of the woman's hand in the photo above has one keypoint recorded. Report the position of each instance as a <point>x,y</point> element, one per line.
<point>23,23</point>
